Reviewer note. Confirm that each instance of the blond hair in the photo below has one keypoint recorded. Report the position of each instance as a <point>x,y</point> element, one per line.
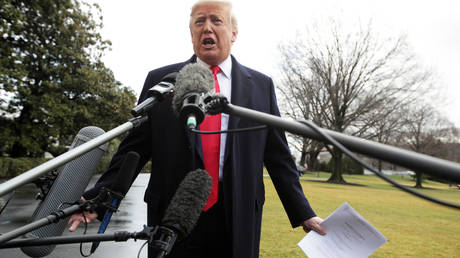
<point>233,21</point>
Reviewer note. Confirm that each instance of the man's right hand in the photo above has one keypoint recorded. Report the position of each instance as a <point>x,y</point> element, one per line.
<point>78,218</point>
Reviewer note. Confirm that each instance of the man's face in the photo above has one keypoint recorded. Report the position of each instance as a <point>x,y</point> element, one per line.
<point>212,32</point>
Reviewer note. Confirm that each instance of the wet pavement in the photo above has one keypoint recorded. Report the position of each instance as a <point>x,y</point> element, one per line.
<point>131,217</point>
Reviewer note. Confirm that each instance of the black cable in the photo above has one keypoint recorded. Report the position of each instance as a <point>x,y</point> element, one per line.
<point>86,227</point>
<point>193,145</point>
<point>140,250</point>
<point>239,130</point>
<point>84,233</point>
<point>379,174</point>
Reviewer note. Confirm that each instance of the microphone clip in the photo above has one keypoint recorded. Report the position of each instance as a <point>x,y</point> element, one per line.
<point>215,103</point>
<point>44,183</point>
<point>107,197</point>
<point>192,110</point>
<point>163,240</point>
<point>162,90</point>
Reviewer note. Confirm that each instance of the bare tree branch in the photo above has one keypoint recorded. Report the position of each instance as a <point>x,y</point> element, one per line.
<point>352,82</point>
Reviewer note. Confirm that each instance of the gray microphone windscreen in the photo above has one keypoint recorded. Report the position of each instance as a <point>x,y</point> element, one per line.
<point>68,187</point>
<point>191,78</point>
<point>188,202</point>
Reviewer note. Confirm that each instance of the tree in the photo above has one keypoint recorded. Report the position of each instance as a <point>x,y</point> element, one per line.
<point>385,126</point>
<point>52,78</point>
<point>309,149</point>
<point>339,80</point>
<point>426,131</point>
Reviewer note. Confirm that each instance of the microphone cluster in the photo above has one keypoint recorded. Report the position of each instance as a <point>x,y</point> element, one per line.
<point>191,88</point>
<point>193,95</point>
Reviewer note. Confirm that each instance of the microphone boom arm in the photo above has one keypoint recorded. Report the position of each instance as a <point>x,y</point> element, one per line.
<point>405,158</point>
<point>118,236</point>
<point>62,159</point>
<point>52,218</point>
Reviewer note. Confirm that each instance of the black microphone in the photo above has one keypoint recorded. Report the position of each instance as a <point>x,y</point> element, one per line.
<point>192,82</point>
<point>118,190</point>
<point>157,93</point>
<point>184,210</point>
<point>68,187</point>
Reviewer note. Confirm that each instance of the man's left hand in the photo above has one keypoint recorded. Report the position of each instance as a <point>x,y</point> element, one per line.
<point>314,224</point>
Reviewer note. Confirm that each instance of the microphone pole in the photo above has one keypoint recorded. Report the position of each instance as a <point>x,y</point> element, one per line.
<point>118,236</point>
<point>54,217</point>
<point>62,159</point>
<point>405,158</point>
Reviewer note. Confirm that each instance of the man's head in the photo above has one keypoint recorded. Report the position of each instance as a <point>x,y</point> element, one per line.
<point>213,29</point>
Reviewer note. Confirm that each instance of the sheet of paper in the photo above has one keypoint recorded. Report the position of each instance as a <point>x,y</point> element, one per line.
<point>348,235</point>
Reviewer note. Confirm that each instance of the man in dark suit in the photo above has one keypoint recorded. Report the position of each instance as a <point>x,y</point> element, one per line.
<point>230,225</point>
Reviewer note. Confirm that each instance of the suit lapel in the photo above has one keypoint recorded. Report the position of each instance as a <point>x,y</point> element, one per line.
<point>241,80</point>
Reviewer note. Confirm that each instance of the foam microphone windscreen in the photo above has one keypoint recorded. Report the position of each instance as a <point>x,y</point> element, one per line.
<point>68,187</point>
<point>188,202</point>
<point>192,78</point>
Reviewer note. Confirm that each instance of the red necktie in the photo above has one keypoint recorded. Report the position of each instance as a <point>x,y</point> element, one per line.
<point>211,147</point>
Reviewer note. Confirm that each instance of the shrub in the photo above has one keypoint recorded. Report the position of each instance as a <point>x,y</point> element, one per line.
<point>104,162</point>
<point>323,166</point>
<point>107,157</point>
<point>349,166</point>
<point>147,167</point>
<point>11,167</point>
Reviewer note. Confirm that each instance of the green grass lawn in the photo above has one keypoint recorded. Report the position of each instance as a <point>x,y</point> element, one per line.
<point>413,227</point>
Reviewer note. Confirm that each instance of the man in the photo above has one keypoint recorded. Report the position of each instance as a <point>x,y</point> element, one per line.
<point>230,226</point>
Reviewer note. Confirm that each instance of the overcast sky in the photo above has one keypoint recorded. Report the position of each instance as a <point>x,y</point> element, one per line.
<point>147,34</point>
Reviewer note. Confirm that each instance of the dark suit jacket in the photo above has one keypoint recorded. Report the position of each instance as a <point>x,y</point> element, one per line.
<point>164,140</point>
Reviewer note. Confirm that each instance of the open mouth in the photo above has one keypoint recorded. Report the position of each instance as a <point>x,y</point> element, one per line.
<point>208,42</point>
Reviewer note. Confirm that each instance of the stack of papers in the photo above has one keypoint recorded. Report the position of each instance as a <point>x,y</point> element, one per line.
<point>348,235</point>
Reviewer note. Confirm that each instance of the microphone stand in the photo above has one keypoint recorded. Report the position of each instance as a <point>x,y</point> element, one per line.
<point>74,153</point>
<point>419,162</point>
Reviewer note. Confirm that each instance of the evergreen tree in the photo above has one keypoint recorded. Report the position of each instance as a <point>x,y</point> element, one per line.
<point>52,79</point>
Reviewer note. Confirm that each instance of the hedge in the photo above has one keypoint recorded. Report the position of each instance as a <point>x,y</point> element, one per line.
<point>11,167</point>
<point>349,166</point>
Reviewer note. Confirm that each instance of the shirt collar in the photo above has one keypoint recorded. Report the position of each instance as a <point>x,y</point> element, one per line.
<point>225,66</point>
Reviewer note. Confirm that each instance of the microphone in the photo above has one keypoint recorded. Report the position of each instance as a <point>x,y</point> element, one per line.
<point>184,210</point>
<point>118,190</point>
<point>193,81</point>
<point>157,93</point>
<point>69,185</point>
